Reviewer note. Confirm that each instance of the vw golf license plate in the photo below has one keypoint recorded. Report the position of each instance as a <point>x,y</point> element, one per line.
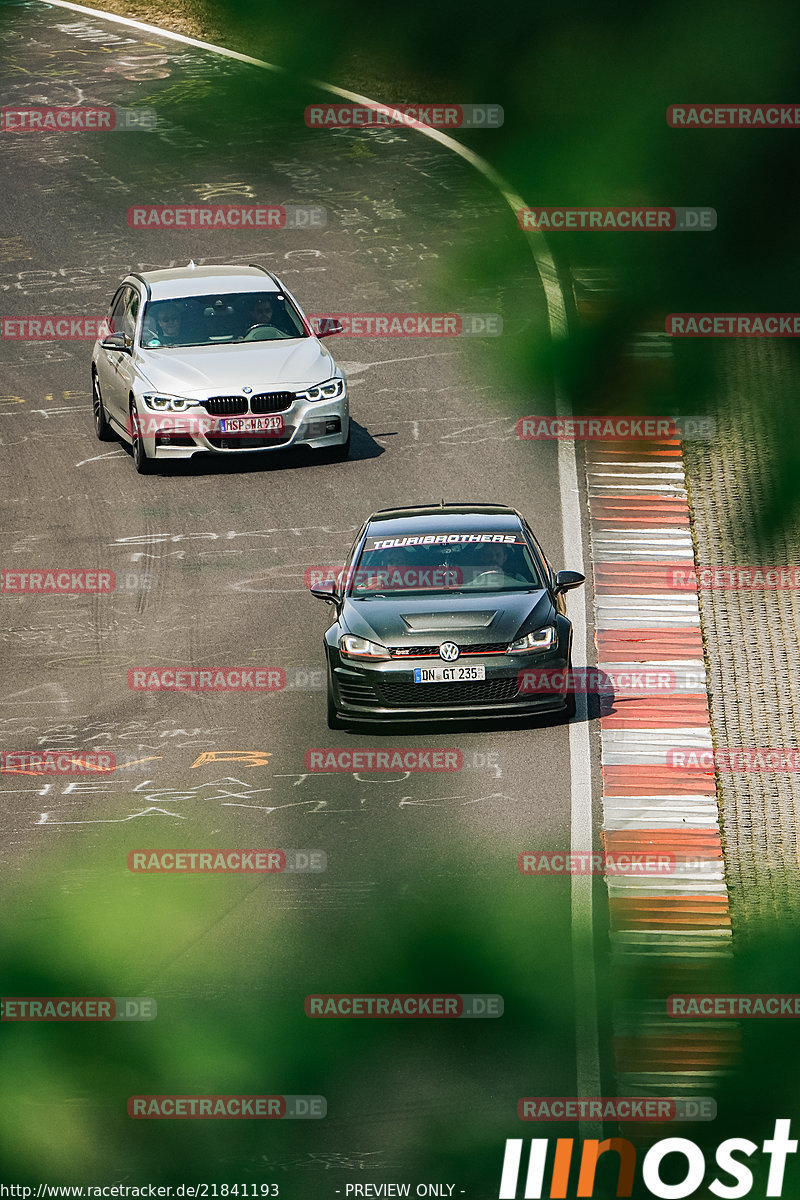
<point>245,425</point>
<point>448,674</point>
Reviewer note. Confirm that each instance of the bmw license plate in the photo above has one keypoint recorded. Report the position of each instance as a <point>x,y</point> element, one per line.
<point>448,674</point>
<point>245,425</point>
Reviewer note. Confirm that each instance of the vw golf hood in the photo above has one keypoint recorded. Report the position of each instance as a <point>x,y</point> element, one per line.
<point>195,371</point>
<point>427,620</point>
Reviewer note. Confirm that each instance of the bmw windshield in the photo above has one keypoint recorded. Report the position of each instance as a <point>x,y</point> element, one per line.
<point>443,563</point>
<point>217,319</point>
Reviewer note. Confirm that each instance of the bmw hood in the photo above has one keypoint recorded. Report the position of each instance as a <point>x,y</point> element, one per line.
<point>195,371</point>
<point>465,620</point>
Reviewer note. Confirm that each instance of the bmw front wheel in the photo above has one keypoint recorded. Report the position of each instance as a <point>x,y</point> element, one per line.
<point>141,462</point>
<point>102,428</point>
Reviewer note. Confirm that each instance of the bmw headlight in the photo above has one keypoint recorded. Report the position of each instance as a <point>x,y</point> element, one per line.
<point>540,639</point>
<point>356,647</point>
<point>331,389</point>
<point>161,403</point>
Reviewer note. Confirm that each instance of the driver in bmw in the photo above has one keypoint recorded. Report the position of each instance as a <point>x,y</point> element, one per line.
<point>169,322</point>
<point>264,311</point>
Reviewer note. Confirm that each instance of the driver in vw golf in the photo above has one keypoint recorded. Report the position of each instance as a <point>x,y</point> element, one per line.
<point>495,569</point>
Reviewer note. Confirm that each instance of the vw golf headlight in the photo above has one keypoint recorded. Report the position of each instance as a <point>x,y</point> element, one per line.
<point>331,389</point>
<point>540,639</point>
<point>158,402</point>
<point>357,647</point>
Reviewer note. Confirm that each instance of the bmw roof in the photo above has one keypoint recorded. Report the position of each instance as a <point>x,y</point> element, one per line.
<point>177,282</point>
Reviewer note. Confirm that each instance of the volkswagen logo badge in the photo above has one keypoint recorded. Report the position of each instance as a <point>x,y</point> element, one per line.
<point>247,391</point>
<point>449,651</point>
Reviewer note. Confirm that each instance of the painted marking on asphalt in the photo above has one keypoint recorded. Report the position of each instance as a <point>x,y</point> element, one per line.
<point>98,457</point>
<point>44,819</point>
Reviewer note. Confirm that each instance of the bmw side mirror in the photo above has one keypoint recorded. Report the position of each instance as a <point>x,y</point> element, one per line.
<point>328,326</point>
<point>567,580</point>
<point>117,341</point>
<point>325,590</point>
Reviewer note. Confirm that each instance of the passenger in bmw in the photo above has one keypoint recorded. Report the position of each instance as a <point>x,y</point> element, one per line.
<point>170,324</point>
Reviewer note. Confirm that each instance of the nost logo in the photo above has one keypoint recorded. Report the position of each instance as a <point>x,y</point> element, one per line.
<point>686,1174</point>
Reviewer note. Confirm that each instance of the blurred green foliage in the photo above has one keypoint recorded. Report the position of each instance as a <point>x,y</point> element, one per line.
<point>230,960</point>
<point>585,89</point>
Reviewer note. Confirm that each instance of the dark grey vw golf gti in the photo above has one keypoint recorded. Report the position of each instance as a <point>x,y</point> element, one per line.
<point>446,612</point>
